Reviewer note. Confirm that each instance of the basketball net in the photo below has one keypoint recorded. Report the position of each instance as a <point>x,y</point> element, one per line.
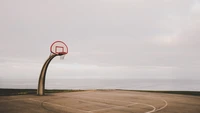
<point>62,57</point>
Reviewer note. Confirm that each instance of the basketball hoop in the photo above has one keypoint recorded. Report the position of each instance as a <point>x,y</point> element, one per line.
<point>59,48</point>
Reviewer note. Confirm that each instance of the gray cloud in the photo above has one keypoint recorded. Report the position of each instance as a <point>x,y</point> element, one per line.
<point>106,38</point>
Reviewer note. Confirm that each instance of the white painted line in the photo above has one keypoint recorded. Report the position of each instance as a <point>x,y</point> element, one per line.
<point>79,97</point>
<point>104,100</point>
<point>153,110</point>
<point>74,109</point>
<point>163,106</point>
<point>117,106</point>
<point>114,106</point>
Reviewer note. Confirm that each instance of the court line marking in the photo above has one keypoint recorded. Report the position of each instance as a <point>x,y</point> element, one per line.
<point>82,111</point>
<point>115,106</point>
<point>166,104</point>
<point>86,97</point>
<point>154,110</point>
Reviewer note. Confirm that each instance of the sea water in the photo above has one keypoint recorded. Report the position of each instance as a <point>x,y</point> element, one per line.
<point>128,84</point>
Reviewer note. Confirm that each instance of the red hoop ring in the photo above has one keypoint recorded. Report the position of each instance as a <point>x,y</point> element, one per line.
<point>61,53</point>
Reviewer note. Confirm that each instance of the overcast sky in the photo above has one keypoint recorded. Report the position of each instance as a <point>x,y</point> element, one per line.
<point>106,38</point>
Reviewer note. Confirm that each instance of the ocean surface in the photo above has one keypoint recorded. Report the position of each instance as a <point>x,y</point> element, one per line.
<point>129,84</point>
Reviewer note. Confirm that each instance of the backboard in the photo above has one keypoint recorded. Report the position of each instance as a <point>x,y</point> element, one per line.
<point>59,48</point>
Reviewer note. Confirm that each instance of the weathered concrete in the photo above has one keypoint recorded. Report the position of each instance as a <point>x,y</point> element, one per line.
<point>114,101</point>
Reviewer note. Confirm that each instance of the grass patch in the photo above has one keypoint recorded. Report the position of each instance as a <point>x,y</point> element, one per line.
<point>193,93</point>
<point>9,92</point>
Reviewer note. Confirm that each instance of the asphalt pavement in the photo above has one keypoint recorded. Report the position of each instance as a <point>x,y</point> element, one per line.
<point>95,101</point>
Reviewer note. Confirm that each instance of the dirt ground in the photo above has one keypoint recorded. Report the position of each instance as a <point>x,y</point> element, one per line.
<point>113,101</point>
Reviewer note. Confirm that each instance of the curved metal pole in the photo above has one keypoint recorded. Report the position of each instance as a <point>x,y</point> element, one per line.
<point>41,82</point>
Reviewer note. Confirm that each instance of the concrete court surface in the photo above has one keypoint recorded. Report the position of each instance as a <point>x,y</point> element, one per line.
<point>110,101</point>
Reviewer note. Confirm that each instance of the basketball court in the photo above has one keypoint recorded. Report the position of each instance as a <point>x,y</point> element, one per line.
<point>110,101</point>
